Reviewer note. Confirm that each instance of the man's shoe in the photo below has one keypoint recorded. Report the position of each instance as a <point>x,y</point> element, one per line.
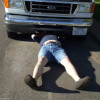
<point>83,83</point>
<point>31,82</point>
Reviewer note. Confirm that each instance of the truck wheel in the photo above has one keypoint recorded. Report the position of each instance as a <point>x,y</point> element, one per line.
<point>12,34</point>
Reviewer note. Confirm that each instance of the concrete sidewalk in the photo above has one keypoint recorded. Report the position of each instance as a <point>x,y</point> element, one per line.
<point>95,30</point>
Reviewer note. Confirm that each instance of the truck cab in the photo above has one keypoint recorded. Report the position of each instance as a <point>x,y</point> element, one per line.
<point>65,17</point>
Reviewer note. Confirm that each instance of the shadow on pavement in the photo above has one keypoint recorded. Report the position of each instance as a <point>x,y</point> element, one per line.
<point>79,53</point>
<point>49,80</point>
<point>23,37</point>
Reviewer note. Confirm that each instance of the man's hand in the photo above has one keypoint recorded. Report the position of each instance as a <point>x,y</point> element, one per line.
<point>32,36</point>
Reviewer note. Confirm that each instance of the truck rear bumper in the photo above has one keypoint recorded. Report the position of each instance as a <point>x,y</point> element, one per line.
<point>18,23</point>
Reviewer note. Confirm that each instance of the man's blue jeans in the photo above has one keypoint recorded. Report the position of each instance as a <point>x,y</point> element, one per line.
<point>51,51</point>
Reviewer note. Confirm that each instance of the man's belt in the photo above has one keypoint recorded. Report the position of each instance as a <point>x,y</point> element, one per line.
<point>47,42</point>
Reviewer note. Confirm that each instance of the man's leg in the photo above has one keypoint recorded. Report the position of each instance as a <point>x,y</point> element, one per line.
<point>81,83</point>
<point>61,56</point>
<point>38,70</point>
<point>70,69</point>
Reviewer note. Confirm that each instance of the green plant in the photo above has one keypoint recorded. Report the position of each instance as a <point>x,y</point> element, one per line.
<point>97,10</point>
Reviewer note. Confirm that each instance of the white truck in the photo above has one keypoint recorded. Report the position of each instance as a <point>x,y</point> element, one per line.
<point>72,17</point>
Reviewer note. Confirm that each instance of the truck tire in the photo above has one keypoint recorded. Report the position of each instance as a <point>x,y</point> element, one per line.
<point>12,35</point>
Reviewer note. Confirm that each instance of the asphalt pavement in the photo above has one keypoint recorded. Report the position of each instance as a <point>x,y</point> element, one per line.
<point>19,56</point>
